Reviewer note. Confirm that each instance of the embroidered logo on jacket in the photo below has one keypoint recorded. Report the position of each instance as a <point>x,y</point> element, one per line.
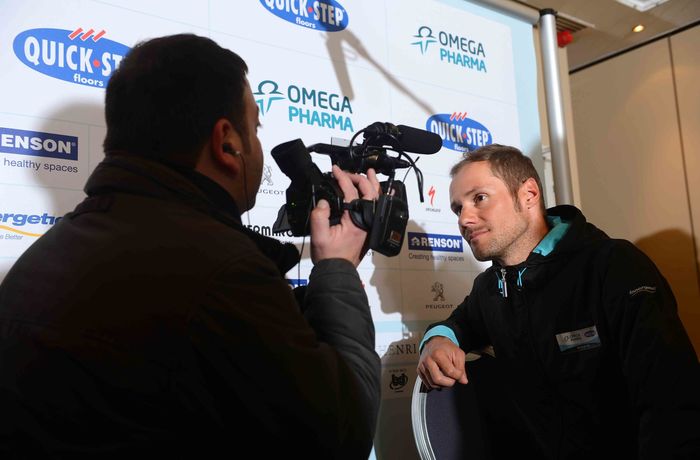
<point>650,289</point>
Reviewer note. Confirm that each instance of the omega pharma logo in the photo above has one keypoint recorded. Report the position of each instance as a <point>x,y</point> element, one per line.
<point>308,106</point>
<point>327,15</point>
<point>84,57</point>
<point>452,48</point>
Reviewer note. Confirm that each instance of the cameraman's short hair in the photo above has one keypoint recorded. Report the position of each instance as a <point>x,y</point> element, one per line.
<point>508,164</point>
<point>165,97</point>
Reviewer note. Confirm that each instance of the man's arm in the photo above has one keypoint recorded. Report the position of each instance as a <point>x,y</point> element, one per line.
<point>657,357</point>
<point>313,380</point>
<point>336,307</point>
<point>442,359</point>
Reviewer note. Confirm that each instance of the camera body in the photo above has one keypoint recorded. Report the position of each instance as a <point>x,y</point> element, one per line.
<point>385,219</point>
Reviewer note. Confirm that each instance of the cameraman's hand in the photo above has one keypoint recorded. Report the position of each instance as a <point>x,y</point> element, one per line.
<point>345,240</point>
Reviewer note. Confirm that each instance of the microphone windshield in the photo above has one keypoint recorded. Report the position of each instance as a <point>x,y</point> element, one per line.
<point>410,139</point>
<point>418,140</point>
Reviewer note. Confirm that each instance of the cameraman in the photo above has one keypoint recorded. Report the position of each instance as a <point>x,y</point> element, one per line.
<point>150,321</point>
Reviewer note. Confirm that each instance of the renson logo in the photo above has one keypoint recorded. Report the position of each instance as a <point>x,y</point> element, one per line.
<point>78,56</point>
<point>328,15</point>
<point>459,132</point>
<point>296,282</point>
<point>12,220</point>
<point>36,143</point>
<point>434,242</point>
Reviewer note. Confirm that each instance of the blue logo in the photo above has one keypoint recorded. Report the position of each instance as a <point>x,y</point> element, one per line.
<point>459,132</point>
<point>35,143</point>
<point>452,48</point>
<point>296,282</point>
<point>425,37</point>
<point>434,242</point>
<point>9,221</point>
<point>267,93</point>
<point>308,106</point>
<point>328,15</point>
<point>82,57</point>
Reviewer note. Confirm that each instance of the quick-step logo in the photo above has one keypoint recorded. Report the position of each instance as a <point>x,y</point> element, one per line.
<point>328,15</point>
<point>78,56</point>
<point>37,143</point>
<point>459,132</point>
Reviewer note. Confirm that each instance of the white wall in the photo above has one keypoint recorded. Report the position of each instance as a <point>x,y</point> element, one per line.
<point>638,156</point>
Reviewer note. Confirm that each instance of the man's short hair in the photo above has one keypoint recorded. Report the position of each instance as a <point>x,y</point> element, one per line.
<point>508,164</point>
<point>167,94</point>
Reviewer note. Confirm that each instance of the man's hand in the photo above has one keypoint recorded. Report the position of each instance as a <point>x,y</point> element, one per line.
<point>441,363</point>
<point>345,240</point>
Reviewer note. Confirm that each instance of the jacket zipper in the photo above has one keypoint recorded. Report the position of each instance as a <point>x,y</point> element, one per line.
<point>504,289</point>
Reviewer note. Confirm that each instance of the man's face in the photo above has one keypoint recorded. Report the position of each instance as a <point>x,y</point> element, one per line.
<point>253,157</point>
<point>486,212</point>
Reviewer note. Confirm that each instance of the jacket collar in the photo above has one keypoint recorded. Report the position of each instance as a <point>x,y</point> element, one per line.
<point>136,175</point>
<point>569,230</point>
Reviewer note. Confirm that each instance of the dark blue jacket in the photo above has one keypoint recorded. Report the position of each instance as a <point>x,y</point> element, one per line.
<point>150,321</point>
<point>590,352</point>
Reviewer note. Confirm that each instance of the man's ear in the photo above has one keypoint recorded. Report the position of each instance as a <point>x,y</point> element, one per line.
<point>529,194</point>
<point>225,146</point>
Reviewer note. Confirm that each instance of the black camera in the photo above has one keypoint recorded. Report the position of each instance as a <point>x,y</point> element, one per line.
<point>385,218</point>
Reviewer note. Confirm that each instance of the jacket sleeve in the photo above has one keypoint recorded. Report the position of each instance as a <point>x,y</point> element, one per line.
<point>337,308</point>
<point>656,355</point>
<point>313,382</point>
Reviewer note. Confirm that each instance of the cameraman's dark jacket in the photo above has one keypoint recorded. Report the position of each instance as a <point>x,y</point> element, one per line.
<point>150,321</point>
<point>591,359</point>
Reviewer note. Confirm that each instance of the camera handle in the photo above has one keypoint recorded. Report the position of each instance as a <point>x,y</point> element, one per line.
<point>385,219</point>
<point>361,212</point>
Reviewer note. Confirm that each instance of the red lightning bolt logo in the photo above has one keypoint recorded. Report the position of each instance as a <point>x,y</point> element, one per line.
<point>431,192</point>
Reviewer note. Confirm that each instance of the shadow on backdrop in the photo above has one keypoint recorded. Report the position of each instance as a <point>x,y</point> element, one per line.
<point>58,182</point>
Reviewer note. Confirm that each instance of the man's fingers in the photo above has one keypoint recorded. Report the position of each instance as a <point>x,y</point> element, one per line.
<point>319,217</point>
<point>369,186</point>
<point>456,372</point>
<point>464,380</point>
<point>435,375</point>
<point>372,176</point>
<point>345,183</point>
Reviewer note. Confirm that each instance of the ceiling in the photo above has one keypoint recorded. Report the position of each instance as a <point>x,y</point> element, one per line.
<point>603,27</point>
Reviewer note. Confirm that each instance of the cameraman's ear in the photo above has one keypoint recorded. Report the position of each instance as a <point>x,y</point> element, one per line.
<point>225,146</point>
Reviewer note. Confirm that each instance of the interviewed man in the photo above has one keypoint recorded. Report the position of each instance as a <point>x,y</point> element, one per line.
<point>591,357</point>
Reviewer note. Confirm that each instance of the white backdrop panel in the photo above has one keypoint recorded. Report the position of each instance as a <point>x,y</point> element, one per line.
<point>447,66</point>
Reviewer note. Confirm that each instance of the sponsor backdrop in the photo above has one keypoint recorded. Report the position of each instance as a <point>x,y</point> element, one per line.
<point>321,70</point>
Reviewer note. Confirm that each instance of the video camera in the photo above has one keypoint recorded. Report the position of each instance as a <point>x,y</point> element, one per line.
<point>385,218</point>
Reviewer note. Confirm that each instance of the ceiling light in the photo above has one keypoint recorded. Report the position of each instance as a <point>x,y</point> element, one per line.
<point>638,28</point>
<point>642,5</point>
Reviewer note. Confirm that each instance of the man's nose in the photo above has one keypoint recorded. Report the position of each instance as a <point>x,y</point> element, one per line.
<point>467,216</point>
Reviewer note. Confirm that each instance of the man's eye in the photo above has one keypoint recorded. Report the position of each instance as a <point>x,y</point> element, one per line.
<point>479,197</point>
<point>457,210</point>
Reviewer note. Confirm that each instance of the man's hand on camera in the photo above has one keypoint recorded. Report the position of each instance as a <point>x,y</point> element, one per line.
<point>345,240</point>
